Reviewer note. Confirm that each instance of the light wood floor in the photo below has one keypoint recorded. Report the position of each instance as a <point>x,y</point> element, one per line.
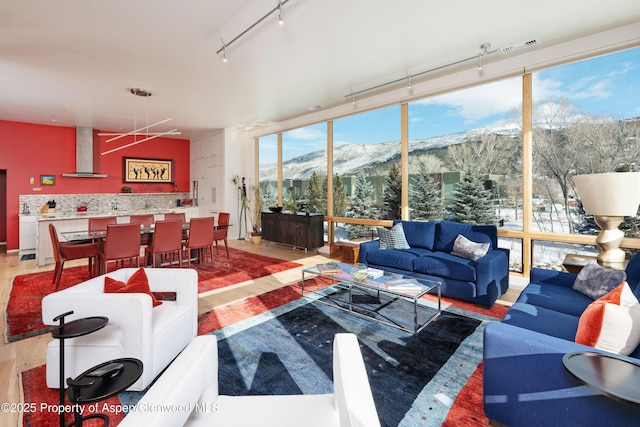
<point>28,353</point>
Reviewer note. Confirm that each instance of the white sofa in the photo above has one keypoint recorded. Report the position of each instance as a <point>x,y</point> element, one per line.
<point>154,335</point>
<point>186,394</point>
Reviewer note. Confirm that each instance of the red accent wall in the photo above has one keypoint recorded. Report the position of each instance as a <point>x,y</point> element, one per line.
<point>29,150</point>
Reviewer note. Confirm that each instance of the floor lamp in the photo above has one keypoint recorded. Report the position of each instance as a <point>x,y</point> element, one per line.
<point>609,197</point>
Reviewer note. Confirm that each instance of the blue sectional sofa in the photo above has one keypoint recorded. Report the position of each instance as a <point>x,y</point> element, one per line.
<point>525,382</point>
<point>429,257</point>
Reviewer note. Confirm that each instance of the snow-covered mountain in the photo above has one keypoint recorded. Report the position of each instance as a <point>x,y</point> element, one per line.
<point>351,158</point>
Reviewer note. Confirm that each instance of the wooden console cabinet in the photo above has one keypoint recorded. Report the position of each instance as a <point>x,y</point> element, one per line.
<point>297,230</point>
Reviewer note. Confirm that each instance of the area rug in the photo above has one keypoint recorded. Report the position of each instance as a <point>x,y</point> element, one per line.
<point>432,379</point>
<point>23,310</point>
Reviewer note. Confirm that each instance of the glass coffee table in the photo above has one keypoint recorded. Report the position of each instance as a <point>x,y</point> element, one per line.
<point>369,296</point>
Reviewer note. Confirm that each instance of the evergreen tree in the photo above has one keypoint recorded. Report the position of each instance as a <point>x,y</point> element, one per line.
<point>340,199</point>
<point>425,197</point>
<point>392,194</point>
<point>361,206</point>
<point>316,195</point>
<point>269,194</point>
<point>472,202</point>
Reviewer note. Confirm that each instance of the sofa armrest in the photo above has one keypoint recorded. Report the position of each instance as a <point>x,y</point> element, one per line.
<point>187,389</point>
<point>525,383</point>
<point>131,312</point>
<point>558,278</point>
<point>182,281</point>
<point>352,392</point>
<point>365,248</point>
<point>492,269</point>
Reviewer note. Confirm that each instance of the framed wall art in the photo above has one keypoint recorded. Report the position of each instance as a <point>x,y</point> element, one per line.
<point>47,180</point>
<point>147,170</point>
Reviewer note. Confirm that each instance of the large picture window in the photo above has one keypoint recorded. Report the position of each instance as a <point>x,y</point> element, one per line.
<point>585,119</point>
<point>304,169</point>
<point>366,167</point>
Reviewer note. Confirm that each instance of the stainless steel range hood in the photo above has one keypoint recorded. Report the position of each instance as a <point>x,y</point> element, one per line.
<point>87,155</point>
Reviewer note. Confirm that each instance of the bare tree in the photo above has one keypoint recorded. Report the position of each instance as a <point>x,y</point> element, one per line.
<point>489,153</point>
<point>556,155</point>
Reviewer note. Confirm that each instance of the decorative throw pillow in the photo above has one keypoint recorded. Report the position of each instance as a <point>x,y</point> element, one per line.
<point>138,283</point>
<point>465,248</point>
<point>596,281</point>
<point>393,238</point>
<point>612,323</point>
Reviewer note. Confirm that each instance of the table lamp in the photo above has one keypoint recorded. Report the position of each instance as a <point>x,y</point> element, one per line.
<point>609,197</point>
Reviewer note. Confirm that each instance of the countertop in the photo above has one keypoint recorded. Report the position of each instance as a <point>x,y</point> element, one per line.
<point>94,214</point>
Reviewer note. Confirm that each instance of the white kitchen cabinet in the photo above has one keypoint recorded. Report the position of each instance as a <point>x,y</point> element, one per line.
<point>27,235</point>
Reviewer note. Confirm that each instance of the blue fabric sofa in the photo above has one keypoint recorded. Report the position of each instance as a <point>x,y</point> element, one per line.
<point>525,382</point>
<point>429,257</point>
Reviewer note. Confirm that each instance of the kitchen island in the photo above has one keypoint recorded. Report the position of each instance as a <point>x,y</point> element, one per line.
<point>80,221</point>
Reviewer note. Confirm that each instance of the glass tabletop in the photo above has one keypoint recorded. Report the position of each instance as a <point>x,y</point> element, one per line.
<point>72,236</point>
<point>388,281</point>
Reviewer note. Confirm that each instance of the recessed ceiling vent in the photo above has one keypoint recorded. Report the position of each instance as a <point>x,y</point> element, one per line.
<point>518,46</point>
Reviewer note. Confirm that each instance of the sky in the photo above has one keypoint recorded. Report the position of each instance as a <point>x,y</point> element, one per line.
<point>606,85</point>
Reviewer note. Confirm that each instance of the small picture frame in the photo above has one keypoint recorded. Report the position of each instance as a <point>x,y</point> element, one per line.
<point>47,180</point>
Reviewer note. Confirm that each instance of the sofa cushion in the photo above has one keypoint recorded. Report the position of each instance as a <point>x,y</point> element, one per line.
<point>447,232</point>
<point>612,323</point>
<point>468,249</point>
<point>138,283</point>
<point>419,234</point>
<point>400,259</point>
<point>596,281</point>
<point>543,320</point>
<point>555,297</point>
<point>447,266</point>
<point>392,238</point>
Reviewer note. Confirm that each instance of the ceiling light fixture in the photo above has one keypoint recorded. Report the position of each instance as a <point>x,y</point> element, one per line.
<point>224,51</point>
<point>485,51</point>
<point>280,15</point>
<point>140,92</point>
<point>138,131</point>
<point>278,8</point>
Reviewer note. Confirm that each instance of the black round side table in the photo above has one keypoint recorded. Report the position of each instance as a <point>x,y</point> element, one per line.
<point>608,374</point>
<point>73,329</point>
<point>102,382</point>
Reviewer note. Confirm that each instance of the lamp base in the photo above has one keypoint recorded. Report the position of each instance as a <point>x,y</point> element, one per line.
<point>609,240</point>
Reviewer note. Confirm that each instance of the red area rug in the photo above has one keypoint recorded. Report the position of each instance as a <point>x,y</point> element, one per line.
<point>467,408</point>
<point>23,311</point>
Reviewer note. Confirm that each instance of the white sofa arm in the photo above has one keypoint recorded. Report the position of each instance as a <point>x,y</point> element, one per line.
<point>188,388</point>
<point>354,401</point>
<point>131,312</point>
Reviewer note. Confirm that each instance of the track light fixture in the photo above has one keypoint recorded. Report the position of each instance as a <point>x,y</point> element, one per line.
<point>224,52</point>
<point>484,50</point>
<point>278,8</point>
<point>280,15</point>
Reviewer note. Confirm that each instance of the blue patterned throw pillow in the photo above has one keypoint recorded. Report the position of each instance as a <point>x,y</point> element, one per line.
<point>393,238</point>
<point>465,248</point>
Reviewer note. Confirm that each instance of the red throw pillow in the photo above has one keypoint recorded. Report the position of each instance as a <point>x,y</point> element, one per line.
<point>612,322</point>
<point>138,283</point>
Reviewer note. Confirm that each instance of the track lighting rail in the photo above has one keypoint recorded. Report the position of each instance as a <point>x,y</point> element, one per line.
<point>483,52</point>
<point>278,9</point>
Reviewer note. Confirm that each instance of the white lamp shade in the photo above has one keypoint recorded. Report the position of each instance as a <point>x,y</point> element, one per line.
<point>609,194</point>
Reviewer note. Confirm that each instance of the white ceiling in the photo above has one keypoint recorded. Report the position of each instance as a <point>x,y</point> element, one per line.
<point>72,62</point>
